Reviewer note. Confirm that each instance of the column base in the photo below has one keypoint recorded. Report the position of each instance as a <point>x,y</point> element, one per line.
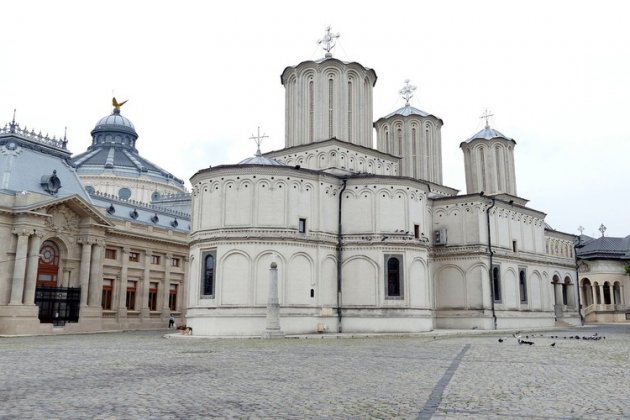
<point>271,334</point>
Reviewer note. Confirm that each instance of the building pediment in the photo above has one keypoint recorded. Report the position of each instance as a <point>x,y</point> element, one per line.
<point>65,213</point>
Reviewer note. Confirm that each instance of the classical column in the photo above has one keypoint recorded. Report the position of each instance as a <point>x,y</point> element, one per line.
<point>593,292</point>
<point>96,275</point>
<point>601,294</point>
<point>31,269</point>
<point>144,295</point>
<point>167,285</point>
<point>185,293</point>
<point>19,266</point>
<point>122,284</point>
<point>84,269</point>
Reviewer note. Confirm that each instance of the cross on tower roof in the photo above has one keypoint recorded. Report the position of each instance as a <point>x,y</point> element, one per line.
<point>328,41</point>
<point>602,229</point>
<point>581,229</point>
<point>407,91</point>
<point>487,115</point>
<point>258,139</point>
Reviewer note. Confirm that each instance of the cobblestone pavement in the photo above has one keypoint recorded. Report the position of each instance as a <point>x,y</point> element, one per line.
<point>143,375</point>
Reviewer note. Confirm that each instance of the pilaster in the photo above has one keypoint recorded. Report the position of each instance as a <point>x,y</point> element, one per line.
<point>19,266</point>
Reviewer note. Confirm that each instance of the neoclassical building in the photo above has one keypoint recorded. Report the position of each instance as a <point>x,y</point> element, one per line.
<point>604,277</point>
<point>369,239</point>
<point>75,258</point>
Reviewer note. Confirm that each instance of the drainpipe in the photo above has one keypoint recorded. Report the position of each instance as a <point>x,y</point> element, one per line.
<point>339,248</point>
<point>490,277</point>
<point>577,245</point>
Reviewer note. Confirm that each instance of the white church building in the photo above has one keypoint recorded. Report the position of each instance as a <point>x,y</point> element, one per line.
<point>369,239</point>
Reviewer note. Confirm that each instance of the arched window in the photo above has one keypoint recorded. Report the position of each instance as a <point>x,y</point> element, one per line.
<point>48,267</point>
<point>522,285</point>
<point>496,283</point>
<point>393,276</point>
<point>208,275</point>
<point>587,292</point>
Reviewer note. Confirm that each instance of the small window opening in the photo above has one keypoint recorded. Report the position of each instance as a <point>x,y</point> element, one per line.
<point>302,225</point>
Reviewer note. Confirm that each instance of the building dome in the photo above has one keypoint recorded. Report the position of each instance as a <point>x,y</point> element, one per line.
<point>115,121</point>
<point>258,159</point>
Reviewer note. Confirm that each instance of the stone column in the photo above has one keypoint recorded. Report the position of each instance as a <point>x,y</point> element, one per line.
<point>594,293</point>
<point>185,293</point>
<point>96,275</point>
<point>31,269</point>
<point>167,285</point>
<point>601,294</point>
<point>84,270</point>
<point>146,283</point>
<point>273,306</point>
<point>122,283</point>
<point>19,266</point>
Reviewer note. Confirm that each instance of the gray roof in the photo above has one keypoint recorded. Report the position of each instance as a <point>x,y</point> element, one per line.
<point>488,134</point>
<point>31,163</point>
<point>137,212</point>
<point>259,159</point>
<point>407,110</point>
<point>114,150</point>
<point>605,248</point>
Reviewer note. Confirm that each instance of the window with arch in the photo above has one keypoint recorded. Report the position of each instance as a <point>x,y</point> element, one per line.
<point>496,283</point>
<point>393,277</point>
<point>522,284</point>
<point>208,270</point>
<point>48,266</point>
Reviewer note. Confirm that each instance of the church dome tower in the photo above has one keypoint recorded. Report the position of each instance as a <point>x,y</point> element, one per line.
<point>415,136</point>
<point>328,98</point>
<point>489,162</point>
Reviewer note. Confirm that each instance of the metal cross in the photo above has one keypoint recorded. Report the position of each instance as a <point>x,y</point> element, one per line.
<point>581,229</point>
<point>487,115</point>
<point>602,229</point>
<point>328,41</point>
<point>258,139</point>
<point>407,91</point>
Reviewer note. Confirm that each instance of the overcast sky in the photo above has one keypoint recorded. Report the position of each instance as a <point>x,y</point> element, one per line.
<point>201,76</point>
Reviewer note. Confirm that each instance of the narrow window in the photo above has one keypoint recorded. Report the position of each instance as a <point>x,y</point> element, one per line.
<point>106,301</point>
<point>302,225</point>
<point>393,277</point>
<point>134,257</point>
<point>153,293</point>
<point>522,285</point>
<point>413,153</point>
<point>311,111</point>
<point>330,107</point>
<point>208,275</point>
<point>174,262</point>
<point>172,297</point>
<point>514,246</point>
<point>350,111</point>
<point>312,293</point>
<point>416,231</point>
<point>496,283</point>
<point>155,259</point>
<point>130,301</point>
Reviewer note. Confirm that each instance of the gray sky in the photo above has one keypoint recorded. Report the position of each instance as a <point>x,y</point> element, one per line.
<point>200,77</point>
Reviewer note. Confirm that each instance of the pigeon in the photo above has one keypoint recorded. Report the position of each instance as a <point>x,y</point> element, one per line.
<point>515,334</point>
<point>117,104</point>
<point>553,344</point>
<point>500,340</point>
<point>525,342</point>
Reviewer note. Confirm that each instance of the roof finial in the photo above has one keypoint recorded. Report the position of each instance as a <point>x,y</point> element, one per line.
<point>581,229</point>
<point>13,124</point>
<point>329,41</point>
<point>407,92</point>
<point>258,139</point>
<point>602,229</point>
<point>487,115</point>
<point>117,104</point>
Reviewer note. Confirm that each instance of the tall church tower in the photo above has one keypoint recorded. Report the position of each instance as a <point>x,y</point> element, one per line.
<point>328,98</point>
<point>415,136</point>
<point>489,162</point>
